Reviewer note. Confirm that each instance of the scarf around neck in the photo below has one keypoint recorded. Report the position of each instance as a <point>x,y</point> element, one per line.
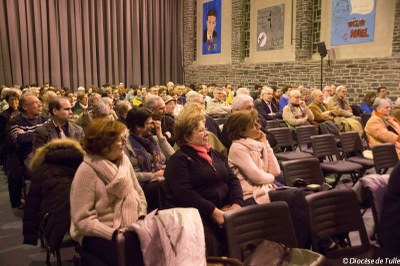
<point>141,146</point>
<point>118,182</point>
<point>203,151</point>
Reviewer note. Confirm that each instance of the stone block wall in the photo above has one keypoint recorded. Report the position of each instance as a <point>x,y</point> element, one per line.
<point>359,75</point>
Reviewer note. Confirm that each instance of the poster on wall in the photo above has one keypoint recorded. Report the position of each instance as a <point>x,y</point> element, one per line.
<point>353,21</point>
<point>212,27</point>
<point>270,28</point>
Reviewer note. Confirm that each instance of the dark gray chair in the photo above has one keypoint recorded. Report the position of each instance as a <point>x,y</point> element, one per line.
<point>283,136</point>
<point>385,157</point>
<point>270,221</point>
<point>352,149</point>
<point>307,169</point>
<point>272,124</point>
<point>324,148</point>
<point>337,212</point>
<point>303,137</point>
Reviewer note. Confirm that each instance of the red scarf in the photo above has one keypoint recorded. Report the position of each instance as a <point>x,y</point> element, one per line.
<point>202,151</point>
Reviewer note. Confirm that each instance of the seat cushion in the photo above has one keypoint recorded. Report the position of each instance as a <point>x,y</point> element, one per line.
<point>363,161</point>
<point>341,166</point>
<point>292,155</point>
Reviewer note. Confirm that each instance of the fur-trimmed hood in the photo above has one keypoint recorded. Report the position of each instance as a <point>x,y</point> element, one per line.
<point>58,151</point>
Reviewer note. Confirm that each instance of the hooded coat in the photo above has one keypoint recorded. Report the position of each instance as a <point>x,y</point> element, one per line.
<point>53,167</point>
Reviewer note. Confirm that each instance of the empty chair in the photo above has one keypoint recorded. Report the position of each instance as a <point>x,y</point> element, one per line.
<point>270,221</point>
<point>272,124</point>
<point>385,156</point>
<point>324,147</point>
<point>352,149</point>
<point>307,169</point>
<point>337,212</point>
<point>284,140</point>
<point>303,137</point>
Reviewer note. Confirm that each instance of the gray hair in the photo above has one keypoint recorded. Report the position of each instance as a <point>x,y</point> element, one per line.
<point>379,101</point>
<point>292,92</point>
<point>265,90</point>
<point>150,101</point>
<point>338,88</point>
<point>239,100</point>
<point>314,93</point>
<point>242,91</point>
<point>190,96</point>
<point>101,109</point>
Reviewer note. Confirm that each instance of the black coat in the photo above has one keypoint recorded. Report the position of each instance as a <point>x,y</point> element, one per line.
<point>193,182</point>
<point>48,199</point>
<point>388,230</point>
<point>265,111</point>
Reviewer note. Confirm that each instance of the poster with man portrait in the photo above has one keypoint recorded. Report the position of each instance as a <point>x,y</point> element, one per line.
<point>211,41</point>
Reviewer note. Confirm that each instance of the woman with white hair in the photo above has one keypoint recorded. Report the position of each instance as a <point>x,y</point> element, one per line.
<point>382,127</point>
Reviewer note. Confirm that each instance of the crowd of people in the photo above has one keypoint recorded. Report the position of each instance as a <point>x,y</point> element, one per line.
<point>207,147</point>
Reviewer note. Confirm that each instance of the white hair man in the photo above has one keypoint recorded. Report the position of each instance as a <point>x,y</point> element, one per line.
<point>157,105</point>
<point>217,106</point>
<point>382,127</point>
<point>266,107</point>
<point>296,112</point>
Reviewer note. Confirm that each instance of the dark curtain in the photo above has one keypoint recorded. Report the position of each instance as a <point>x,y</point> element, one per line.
<point>71,43</point>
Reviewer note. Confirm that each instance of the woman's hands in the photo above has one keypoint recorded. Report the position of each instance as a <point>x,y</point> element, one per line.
<point>218,215</point>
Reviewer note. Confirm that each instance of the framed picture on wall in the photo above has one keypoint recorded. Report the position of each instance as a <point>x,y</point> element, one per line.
<point>211,38</point>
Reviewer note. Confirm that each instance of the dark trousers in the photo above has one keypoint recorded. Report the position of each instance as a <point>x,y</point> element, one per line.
<point>215,239</point>
<point>16,170</point>
<point>99,251</point>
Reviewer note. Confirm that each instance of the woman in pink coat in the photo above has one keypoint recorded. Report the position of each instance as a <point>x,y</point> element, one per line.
<point>251,157</point>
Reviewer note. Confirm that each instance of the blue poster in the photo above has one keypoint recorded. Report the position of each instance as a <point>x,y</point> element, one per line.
<point>211,41</point>
<point>353,21</point>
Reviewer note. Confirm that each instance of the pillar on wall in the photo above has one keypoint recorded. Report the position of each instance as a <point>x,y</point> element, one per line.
<point>396,31</point>
<point>304,15</point>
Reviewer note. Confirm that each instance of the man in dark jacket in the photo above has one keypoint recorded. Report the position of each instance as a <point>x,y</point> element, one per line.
<point>59,126</point>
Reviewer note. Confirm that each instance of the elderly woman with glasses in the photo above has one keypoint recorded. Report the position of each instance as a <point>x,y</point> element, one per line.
<point>105,193</point>
<point>251,157</point>
<point>147,154</point>
<point>200,177</point>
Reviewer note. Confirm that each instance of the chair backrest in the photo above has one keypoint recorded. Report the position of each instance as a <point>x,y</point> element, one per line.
<point>385,156</point>
<point>324,146</point>
<point>308,169</point>
<point>335,212</point>
<point>303,135</point>
<point>272,124</point>
<point>283,136</point>
<point>270,221</point>
<point>351,142</point>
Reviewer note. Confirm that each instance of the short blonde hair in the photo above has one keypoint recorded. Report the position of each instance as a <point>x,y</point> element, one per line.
<point>187,121</point>
<point>240,121</point>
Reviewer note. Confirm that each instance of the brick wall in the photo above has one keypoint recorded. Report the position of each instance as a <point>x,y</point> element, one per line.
<point>359,75</point>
